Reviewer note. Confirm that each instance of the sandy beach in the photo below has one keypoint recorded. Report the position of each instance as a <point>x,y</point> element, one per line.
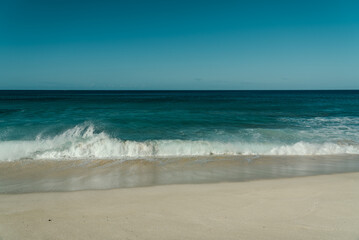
<point>317,207</point>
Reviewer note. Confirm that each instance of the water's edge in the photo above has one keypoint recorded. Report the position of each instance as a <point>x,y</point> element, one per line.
<point>73,175</point>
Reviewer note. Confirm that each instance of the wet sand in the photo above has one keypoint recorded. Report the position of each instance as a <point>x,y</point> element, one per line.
<point>94,174</point>
<point>315,207</point>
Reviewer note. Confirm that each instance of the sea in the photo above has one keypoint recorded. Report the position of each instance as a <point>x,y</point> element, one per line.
<point>81,140</point>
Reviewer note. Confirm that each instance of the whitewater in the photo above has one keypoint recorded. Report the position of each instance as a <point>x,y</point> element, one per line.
<point>81,142</point>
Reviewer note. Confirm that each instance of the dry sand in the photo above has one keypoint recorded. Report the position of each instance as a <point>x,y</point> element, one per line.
<point>319,207</point>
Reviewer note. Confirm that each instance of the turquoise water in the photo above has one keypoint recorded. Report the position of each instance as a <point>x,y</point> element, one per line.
<point>138,124</point>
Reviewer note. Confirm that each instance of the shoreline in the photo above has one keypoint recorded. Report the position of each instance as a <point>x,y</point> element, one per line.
<point>74,175</point>
<point>311,207</point>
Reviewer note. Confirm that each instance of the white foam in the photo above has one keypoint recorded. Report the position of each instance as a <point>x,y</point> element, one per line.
<point>81,142</point>
<point>304,148</point>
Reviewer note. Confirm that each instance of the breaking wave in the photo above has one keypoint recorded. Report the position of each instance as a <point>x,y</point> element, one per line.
<point>82,142</point>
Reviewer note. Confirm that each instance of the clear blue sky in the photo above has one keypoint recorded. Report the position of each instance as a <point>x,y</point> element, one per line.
<point>72,44</point>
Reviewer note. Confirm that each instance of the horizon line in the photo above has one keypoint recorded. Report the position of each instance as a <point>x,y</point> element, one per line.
<point>178,90</point>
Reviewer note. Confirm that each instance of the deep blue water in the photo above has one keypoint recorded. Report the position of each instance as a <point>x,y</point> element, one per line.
<point>121,124</point>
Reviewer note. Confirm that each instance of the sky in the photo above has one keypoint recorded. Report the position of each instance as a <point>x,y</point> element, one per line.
<point>179,45</point>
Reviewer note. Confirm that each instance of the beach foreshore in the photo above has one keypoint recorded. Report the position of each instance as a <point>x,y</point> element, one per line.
<point>315,207</point>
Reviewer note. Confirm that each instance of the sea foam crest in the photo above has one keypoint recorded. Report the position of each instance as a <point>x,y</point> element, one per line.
<point>83,142</point>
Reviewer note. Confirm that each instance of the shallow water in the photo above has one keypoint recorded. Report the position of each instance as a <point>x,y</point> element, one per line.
<point>75,140</point>
<point>70,175</point>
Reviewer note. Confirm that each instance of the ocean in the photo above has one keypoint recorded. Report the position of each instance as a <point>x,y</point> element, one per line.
<point>74,140</point>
